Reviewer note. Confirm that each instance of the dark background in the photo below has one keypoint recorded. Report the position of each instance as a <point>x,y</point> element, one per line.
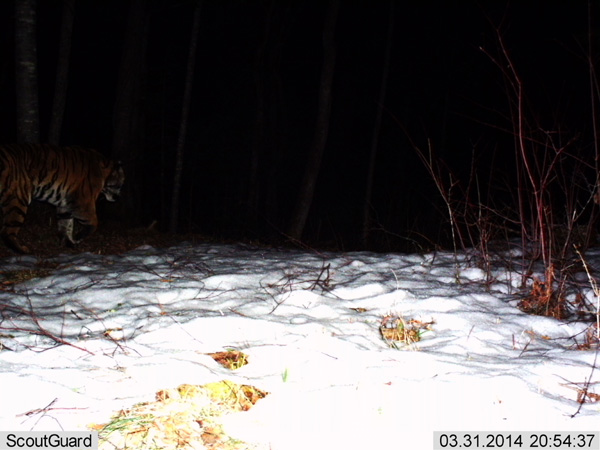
<point>442,91</point>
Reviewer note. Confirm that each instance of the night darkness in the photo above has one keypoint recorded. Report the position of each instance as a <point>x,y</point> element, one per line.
<point>442,91</point>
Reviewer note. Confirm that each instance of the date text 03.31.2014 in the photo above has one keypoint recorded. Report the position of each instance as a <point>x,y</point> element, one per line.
<point>522,440</point>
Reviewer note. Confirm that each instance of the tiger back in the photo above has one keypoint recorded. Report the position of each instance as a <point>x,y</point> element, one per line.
<point>70,178</point>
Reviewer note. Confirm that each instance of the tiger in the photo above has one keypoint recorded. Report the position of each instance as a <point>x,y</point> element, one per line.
<point>70,178</point>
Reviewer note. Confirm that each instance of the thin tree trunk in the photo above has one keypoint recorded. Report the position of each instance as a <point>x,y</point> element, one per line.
<point>28,116</point>
<point>129,82</point>
<point>260,121</point>
<point>262,188</point>
<point>187,96</point>
<point>366,222</point>
<point>128,111</point>
<point>277,117</point>
<point>307,190</point>
<point>62,72</point>
<point>278,125</point>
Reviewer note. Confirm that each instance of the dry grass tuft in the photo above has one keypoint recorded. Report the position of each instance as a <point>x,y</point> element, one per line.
<point>398,332</point>
<point>544,299</point>
<point>182,418</point>
<point>230,359</point>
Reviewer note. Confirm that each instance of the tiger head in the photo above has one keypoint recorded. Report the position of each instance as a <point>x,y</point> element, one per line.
<point>114,182</point>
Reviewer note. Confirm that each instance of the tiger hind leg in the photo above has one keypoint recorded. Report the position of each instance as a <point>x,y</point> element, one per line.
<point>12,242</point>
<point>14,215</point>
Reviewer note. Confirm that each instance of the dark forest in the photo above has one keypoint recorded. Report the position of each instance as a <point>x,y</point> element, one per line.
<point>383,125</point>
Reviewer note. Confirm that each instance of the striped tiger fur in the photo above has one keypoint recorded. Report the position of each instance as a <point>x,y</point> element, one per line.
<point>70,178</point>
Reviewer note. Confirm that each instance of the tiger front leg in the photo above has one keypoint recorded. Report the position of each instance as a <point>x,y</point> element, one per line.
<point>85,229</point>
<point>66,225</point>
<point>65,228</point>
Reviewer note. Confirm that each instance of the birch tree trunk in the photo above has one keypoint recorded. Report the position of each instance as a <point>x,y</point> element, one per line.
<point>187,95</point>
<point>62,72</point>
<point>309,181</point>
<point>28,116</point>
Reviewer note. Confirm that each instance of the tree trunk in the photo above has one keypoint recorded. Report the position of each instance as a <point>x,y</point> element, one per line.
<point>128,110</point>
<point>262,187</point>
<point>309,181</point>
<point>28,116</point>
<point>260,122</point>
<point>62,72</point>
<point>366,216</point>
<point>187,96</point>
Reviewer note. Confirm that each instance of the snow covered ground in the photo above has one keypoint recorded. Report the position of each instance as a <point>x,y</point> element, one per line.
<point>309,321</point>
